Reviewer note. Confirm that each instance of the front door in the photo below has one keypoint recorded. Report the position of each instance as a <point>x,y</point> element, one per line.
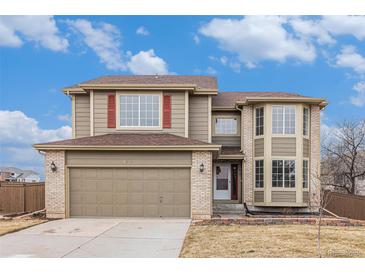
<point>222,182</point>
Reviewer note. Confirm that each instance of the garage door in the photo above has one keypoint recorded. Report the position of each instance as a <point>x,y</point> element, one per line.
<point>130,192</point>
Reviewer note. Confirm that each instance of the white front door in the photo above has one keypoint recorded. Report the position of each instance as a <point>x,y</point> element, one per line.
<point>222,181</point>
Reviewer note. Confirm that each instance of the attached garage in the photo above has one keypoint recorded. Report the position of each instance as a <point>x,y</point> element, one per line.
<point>128,183</point>
<point>129,175</point>
<point>130,192</point>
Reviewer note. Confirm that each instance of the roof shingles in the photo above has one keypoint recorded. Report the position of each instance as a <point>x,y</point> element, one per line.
<point>128,139</point>
<point>201,82</point>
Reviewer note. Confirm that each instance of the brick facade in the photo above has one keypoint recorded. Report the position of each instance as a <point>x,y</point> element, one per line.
<point>201,185</point>
<point>55,184</point>
<point>247,147</point>
<point>315,157</point>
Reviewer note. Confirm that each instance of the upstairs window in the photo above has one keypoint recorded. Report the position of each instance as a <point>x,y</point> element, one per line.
<point>226,126</point>
<point>140,110</point>
<point>283,173</point>
<point>259,121</point>
<point>283,119</point>
<point>305,173</point>
<point>305,121</point>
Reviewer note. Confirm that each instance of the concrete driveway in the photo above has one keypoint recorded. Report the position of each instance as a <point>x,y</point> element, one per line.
<point>78,237</point>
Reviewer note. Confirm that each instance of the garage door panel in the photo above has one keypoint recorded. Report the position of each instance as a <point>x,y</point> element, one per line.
<point>120,199</point>
<point>89,197</point>
<point>135,211</point>
<point>89,184</point>
<point>105,198</point>
<point>132,192</point>
<point>181,198</point>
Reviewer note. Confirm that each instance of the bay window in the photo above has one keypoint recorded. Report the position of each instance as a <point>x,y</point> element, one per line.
<point>283,173</point>
<point>140,110</point>
<point>283,119</point>
<point>305,121</point>
<point>259,112</point>
<point>259,173</point>
<point>305,173</point>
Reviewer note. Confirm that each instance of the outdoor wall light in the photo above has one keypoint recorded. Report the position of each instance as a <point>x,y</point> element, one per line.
<point>201,168</point>
<point>53,167</point>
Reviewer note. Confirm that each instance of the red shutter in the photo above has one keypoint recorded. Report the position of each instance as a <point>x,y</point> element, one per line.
<point>166,121</point>
<point>111,111</point>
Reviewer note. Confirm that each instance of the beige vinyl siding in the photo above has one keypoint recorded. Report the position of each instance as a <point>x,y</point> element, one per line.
<point>305,148</point>
<point>259,147</point>
<point>258,196</point>
<point>177,114</point>
<point>283,146</point>
<point>82,115</point>
<point>305,196</point>
<point>283,196</point>
<point>230,141</point>
<point>198,118</point>
<point>127,158</point>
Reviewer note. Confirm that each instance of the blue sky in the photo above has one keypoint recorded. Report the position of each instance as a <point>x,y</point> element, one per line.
<point>314,56</point>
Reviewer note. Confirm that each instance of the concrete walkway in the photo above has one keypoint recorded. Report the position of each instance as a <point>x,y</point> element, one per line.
<point>103,238</point>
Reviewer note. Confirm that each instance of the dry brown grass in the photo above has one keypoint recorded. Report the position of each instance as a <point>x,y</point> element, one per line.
<point>12,225</point>
<point>280,241</point>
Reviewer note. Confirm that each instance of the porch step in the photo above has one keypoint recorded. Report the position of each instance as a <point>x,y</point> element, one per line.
<point>228,209</point>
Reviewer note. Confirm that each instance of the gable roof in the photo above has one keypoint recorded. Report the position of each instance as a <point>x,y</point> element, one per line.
<point>197,82</point>
<point>128,141</point>
<point>230,99</point>
<point>11,169</point>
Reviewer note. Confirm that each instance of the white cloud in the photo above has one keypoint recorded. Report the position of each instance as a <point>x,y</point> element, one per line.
<point>345,25</point>
<point>359,99</point>
<point>211,71</point>
<point>142,31</point>
<point>311,28</point>
<point>147,62</point>
<point>224,60</point>
<point>104,39</point>
<point>42,30</point>
<point>350,58</point>
<point>196,39</point>
<point>259,38</point>
<point>18,133</point>
<point>64,117</point>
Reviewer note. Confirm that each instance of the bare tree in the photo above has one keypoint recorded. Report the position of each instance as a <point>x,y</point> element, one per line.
<point>344,155</point>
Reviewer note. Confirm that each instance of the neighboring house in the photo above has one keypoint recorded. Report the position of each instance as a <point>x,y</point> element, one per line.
<point>173,146</point>
<point>13,174</point>
<point>9,172</point>
<point>360,186</point>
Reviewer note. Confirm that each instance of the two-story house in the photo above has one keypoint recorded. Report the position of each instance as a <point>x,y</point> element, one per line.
<point>174,146</point>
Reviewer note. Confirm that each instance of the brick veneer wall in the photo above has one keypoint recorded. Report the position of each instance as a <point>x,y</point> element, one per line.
<point>55,185</point>
<point>201,185</point>
<point>247,147</point>
<point>315,157</point>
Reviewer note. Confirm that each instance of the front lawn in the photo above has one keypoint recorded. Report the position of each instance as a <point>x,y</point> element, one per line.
<point>12,225</point>
<point>263,241</point>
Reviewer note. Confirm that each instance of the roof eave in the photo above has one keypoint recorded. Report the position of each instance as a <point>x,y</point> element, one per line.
<point>254,100</point>
<point>45,147</point>
<point>83,88</point>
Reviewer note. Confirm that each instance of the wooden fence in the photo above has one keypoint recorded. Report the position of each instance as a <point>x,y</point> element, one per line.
<point>21,197</point>
<point>346,205</point>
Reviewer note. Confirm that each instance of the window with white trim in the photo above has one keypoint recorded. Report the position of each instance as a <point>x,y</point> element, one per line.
<point>225,126</point>
<point>305,121</point>
<point>140,110</point>
<point>283,173</point>
<point>259,121</point>
<point>259,173</point>
<point>283,119</point>
<point>305,173</point>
